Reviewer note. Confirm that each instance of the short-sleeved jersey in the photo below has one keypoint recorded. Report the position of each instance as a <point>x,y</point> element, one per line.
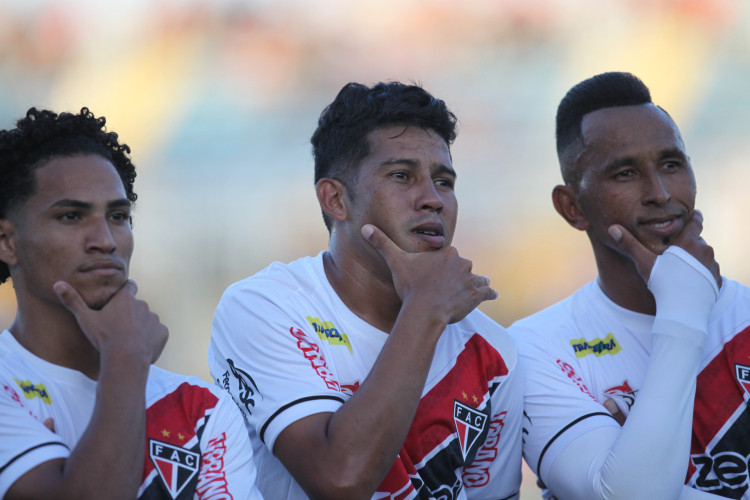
<point>285,346</point>
<point>585,349</point>
<point>196,445</point>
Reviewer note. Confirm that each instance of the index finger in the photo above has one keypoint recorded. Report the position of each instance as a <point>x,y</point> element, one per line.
<point>382,243</point>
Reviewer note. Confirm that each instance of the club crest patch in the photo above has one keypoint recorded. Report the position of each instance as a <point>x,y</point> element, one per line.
<point>176,466</point>
<point>471,425</point>
<point>743,376</point>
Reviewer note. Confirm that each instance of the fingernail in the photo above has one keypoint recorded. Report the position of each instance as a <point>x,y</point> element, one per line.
<point>615,233</point>
<point>59,287</point>
<point>367,230</point>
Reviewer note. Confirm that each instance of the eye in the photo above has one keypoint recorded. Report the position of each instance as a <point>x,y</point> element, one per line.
<point>120,217</point>
<point>624,174</point>
<point>672,165</point>
<point>401,175</point>
<point>445,182</point>
<point>69,216</point>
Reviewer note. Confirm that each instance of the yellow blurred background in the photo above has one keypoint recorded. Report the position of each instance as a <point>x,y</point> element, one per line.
<point>218,100</point>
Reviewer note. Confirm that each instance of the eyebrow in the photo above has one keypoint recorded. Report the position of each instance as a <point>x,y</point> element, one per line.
<point>69,203</point>
<point>441,168</point>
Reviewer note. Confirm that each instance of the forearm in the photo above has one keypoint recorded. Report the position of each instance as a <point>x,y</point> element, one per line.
<point>656,436</point>
<point>107,462</point>
<point>363,438</point>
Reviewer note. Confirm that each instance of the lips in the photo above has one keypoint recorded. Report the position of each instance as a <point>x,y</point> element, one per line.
<point>663,224</point>
<point>431,233</point>
<point>102,267</point>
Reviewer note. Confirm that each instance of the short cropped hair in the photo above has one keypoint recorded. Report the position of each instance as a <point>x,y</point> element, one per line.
<point>43,135</point>
<point>606,90</point>
<point>340,140</point>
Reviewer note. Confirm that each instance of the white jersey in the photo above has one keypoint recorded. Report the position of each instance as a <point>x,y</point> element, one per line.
<point>285,346</point>
<point>585,349</point>
<point>195,445</point>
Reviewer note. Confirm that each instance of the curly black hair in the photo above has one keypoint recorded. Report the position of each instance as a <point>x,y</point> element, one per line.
<point>43,135</point>
<point>340,141</point>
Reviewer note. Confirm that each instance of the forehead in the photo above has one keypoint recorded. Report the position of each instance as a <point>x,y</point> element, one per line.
<point>629,131</point>
<point>88,178</point>
<point>409,143</point>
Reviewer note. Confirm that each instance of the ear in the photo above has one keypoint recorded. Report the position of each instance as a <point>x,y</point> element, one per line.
<point>566,204</point>
<point>7,244</point>
<point>333,198</point>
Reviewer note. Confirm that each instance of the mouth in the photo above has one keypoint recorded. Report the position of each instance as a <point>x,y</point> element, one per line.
<point>432,234</point>
<point>102,268</point>
<point>664,227</point>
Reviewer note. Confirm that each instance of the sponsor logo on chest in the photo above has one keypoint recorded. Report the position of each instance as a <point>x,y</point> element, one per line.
<point>328,332</point>
<point>31,390</point>
<point>598,347</point>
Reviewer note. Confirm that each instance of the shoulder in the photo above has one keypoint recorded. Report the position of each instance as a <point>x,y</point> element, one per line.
<point>549,322</point>
<point>301,273</point>
<point>478,324</point>
<point>169,388</point>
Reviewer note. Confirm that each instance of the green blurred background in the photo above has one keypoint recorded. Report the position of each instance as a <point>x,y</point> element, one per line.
<point>218,100</point>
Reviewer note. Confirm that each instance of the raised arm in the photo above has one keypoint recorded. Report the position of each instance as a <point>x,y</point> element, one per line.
<point>648,457</point>
<point>107,462</point>
<point>347,454</point>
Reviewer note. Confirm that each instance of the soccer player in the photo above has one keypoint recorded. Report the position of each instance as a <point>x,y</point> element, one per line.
<point>366,371</point>
<point>659,333</point>
<point>83,413</point>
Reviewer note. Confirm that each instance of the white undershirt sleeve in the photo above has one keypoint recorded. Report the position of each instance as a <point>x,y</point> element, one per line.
<point>648,456</point>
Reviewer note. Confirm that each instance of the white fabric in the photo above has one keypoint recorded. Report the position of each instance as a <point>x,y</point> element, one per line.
<point>586,349</point>
<point>285,346</point>
<point>207,420</point>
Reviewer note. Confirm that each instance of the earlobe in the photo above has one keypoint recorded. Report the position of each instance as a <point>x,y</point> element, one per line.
<point>333,198</point>
<point>7,244</point>
<point>566,204</point>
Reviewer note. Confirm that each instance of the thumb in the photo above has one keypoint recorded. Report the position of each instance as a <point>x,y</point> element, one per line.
<point>382,243</point>
<point>69,297</point>
<point>642,257</point>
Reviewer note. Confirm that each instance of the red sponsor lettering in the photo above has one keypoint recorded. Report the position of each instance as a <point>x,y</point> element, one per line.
<point>573,376</point>
<point>311,351</point>
<point>477,473</point>
<point>212,481</point>
<point>13,394</point>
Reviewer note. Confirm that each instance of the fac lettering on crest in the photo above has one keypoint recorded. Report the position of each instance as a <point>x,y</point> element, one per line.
<point>470,425</point>
<point>743,376</point>
<point>176,466</point>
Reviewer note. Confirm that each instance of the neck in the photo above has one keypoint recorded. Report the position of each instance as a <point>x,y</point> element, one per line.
<point>364,284</point>
<point>52,333</point>
<point>621,282</point>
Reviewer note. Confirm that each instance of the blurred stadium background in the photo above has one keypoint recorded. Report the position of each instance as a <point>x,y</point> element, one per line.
<point>218,100</point>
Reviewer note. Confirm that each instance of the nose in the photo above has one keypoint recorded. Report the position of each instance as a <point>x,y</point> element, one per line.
<point>428,197</point>
<point>657,190</point>
<point>100,237</point>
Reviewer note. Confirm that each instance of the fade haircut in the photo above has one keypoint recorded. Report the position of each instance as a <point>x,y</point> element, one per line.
<point>607,90</point>
<point>43,135</point>
<point>340,141</point>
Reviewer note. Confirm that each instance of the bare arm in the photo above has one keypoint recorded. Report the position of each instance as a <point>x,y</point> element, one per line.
<point>107,462</point>
<point>347,454</point>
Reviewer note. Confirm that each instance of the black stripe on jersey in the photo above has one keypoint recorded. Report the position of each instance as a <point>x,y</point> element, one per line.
<point>574,422</point>
<point>289,405</point>
<point>29,450</point>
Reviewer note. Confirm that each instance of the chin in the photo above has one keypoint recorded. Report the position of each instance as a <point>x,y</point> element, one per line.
<point>100,298</point>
